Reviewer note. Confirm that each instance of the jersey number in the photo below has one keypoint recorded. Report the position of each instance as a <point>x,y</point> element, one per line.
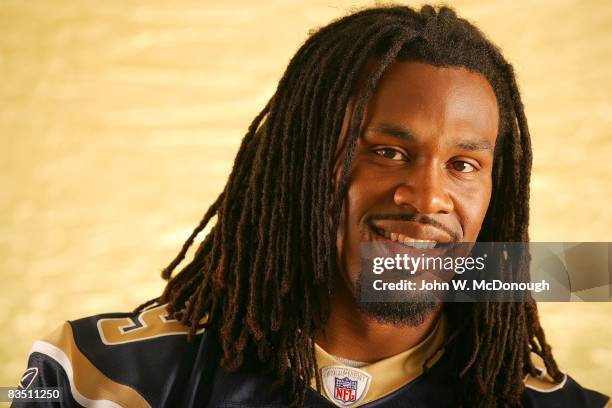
<point>149,324</point>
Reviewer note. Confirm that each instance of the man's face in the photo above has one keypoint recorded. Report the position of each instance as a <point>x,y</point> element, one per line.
<point>423,163</point>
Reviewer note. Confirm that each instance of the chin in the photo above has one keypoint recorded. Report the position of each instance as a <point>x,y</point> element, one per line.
<point>411,311</point>
<point>410,314</point>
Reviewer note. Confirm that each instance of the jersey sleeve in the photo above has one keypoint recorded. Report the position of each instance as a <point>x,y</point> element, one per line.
<point>136,359</point>
<point>44,371</point>
<point>56,361</point>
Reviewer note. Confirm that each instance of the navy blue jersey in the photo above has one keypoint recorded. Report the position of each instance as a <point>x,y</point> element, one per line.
<point>145,360</point>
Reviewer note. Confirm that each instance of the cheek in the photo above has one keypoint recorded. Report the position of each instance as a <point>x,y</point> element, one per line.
<point>361,196</point>
<point>348,228</point>
<point>366,190</point>
<point>471,204</point>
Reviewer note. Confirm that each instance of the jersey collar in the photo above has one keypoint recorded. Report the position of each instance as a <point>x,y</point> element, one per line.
<point>379,379</point>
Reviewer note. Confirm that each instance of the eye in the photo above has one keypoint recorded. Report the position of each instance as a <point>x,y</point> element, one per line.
<point>463,166</point>
<point>391,154</point>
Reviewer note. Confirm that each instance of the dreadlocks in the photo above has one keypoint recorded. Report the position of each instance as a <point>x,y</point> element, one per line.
<point>262,278</point>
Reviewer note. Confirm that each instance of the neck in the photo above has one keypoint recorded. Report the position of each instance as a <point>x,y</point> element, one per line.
<point>349,333</point>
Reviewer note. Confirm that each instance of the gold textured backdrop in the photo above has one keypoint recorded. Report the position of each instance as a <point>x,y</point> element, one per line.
<point>119,121</point>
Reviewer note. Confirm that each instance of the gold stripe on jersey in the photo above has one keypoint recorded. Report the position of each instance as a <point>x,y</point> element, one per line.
<point>543,382</point>
<point>393,373</point>
<point>86,379</point>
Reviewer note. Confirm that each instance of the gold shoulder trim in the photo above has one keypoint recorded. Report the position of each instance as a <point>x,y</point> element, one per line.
<point>542,382</point>
<point>88,385</point>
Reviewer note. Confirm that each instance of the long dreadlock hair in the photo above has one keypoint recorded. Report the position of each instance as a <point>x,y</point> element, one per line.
<point>262,277</point>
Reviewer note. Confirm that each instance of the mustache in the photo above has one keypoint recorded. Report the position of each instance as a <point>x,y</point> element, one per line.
<point>418,218</point>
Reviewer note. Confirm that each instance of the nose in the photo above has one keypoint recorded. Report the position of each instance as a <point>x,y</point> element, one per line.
<point>425,191</point>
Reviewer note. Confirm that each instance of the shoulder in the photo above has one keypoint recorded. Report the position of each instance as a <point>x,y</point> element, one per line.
<point>126,359</point>
<point>543,391</point>
<point>121,329</point>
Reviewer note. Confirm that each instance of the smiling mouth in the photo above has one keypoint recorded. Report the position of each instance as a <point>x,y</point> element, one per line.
<point>406,240</point>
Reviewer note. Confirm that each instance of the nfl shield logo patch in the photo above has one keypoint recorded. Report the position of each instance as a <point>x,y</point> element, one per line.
<point>345,386</point>
<point>345,390</point>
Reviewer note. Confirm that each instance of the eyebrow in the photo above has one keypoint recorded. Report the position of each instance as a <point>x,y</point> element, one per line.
<point>391,130</point>
<point>474,145</point>
<point>405,134</point>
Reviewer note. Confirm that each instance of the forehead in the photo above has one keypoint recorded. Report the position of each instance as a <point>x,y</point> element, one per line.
<point>427,98</point>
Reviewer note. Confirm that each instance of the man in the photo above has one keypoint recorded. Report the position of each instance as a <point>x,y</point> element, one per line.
<point>388,125</point>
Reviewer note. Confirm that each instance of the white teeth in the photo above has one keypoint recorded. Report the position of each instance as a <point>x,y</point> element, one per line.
<point>409,241</point>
